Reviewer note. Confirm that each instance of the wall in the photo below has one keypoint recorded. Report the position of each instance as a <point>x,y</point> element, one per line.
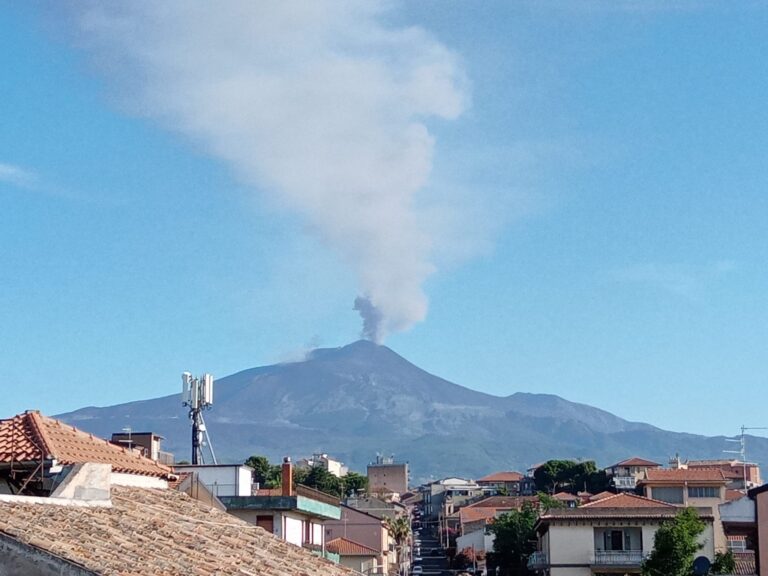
<point>359,527</point>
<point>17,559</point>
<point>761,505</point>
<point>392,477</point>
<point>224,480</point>
<point>571,545</point>
<point>293,529</point>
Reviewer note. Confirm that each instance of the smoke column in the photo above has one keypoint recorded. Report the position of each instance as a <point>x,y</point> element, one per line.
<point>319,104</point>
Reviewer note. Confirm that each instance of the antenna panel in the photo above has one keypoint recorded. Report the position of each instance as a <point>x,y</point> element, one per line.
<point>207,389</point>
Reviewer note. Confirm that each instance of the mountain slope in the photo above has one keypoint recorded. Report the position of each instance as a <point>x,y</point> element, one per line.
<point>355,401</point>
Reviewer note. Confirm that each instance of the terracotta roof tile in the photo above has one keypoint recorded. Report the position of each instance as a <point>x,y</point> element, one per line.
<point>733,494</point>
<point>566,497</point>
<point>635,461</point>
<point>627,501</point>
<point>149,531</point>
<point>508,476</point>
<point>683,475</point>
<point>468,515</point>
<point>745,563</point>
<point>31,436</point>
<point>601,495</point>
<point>503,502</point>
<point>345,547</point>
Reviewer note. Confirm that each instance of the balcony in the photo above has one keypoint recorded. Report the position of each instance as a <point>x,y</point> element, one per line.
<point>538,561</point>
<point>624,482</point>
<point>618,558</point>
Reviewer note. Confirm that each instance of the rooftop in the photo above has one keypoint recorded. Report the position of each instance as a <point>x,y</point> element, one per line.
<point>508,476</point>
<point>149,531</point>
<point>31,437</point>
<point>635,461</point>
<point>675,476</point>
<point>345,547</point>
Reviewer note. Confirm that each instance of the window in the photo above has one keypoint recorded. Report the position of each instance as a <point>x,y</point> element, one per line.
<point>703,492</point>
<point>672,495</point>
<point>737,545</point>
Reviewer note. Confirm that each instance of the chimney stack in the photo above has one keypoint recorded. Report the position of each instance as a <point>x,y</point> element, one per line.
<point>287,477</point>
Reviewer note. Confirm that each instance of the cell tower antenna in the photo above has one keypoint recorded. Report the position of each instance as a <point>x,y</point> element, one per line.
<point>197,393</point>
<point>742,451</point>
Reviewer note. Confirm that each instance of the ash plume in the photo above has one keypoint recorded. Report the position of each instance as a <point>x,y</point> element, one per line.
<point>320,105</point>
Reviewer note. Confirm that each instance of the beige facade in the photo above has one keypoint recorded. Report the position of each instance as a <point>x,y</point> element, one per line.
<point>388,477</point>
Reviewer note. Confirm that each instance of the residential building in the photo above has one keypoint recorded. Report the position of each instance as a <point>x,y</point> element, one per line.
<point>740,475</point>
<point>505,482</point>
<point>386,476</point>
<point>148,442</point>
<point>74,504</point>
<point>366,529</point>
<point>760,497</point>
<point>220,479</point>
<point>609,536</point>
<point>322,460</point>
<point>295,514</point>
<point>625,474</point>
<point>739,524</point>
<point>443,497</point>
<point>354,555</point>
<point>377,507</point>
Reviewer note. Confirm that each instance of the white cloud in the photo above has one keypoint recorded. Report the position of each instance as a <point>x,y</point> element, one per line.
<point>18,176</point>
<point>319,103</point>
<point>685,280</point>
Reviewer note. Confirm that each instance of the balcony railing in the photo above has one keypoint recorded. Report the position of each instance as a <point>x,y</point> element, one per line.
<point>618,557</point>
<point>538,560</point>
<point>625,482</point>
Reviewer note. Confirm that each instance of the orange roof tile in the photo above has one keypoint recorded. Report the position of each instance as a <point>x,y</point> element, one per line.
<point>627,501</point>
<point>566,497</point>
<point>635,461</point>
<point>733,494</point>
<point>508,476</point>
<point>503,502</point>
<point>601,495</point>
<point>677,475</point>
<point>345,547</point>
<point>468,515</point>
<point>31,437</point>
<point>151,532</point>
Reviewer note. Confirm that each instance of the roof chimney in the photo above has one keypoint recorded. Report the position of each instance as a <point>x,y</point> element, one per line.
<point>287,483</point>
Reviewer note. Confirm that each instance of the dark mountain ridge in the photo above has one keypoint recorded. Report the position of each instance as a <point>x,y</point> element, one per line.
<point>358,400</point>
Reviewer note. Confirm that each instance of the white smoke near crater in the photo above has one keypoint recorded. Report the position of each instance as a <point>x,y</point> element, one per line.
<point>320,104</point>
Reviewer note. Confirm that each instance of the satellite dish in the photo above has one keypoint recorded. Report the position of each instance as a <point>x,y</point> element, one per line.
<point>701,566</point>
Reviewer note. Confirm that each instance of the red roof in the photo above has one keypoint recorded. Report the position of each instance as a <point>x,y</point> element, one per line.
<point>627,501</point>
<point>733,494</point>
<point>502,477</point>
<point>635,461</point>
<point>601,495</point>
<point>30,437</point>
<point>566,497</point>
<point>677,475</point>
<point>345,547</point>
<point>468,515</point>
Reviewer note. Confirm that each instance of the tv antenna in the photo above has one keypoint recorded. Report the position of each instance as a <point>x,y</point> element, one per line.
<point>742,451</point>
<point>197,393</point>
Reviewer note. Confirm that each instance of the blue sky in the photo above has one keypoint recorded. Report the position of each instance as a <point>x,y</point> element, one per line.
<point>589,207</point>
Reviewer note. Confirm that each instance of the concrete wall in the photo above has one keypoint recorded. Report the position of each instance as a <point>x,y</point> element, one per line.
<point>571,545</point>
<point>18,559</point>
<point>359,527</point>
<point>761,506</point>
<point>222,480</point>
<point>391,477</point>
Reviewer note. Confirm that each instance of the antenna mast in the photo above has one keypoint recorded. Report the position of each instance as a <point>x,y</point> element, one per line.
<point>197,393</point>
<point>742,451</point>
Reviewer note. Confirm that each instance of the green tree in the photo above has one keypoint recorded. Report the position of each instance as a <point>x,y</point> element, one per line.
<point>675,545</point>
<point>354,483</point>
<point>264,473</point>
<point>320,479</point>
<point>547,502</point>
<point>515,540</point>
<point>724,563</point>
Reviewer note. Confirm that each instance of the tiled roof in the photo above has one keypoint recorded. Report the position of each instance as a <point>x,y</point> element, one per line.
<point>150,531</point>
<point>31,436</point>
<point>601,495</point>
<point>566,497</point>
<point>635,461</point>
<point>733,494</point>
<point>502,477</point>
<point>345,547</point>
<point>627,501</point>
<point>507,502</point>
<point>677,475</point>
<point>468,515</point>
<point>641,512</point>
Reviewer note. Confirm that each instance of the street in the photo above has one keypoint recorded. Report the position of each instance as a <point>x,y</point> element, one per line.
<point>433,565</point>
